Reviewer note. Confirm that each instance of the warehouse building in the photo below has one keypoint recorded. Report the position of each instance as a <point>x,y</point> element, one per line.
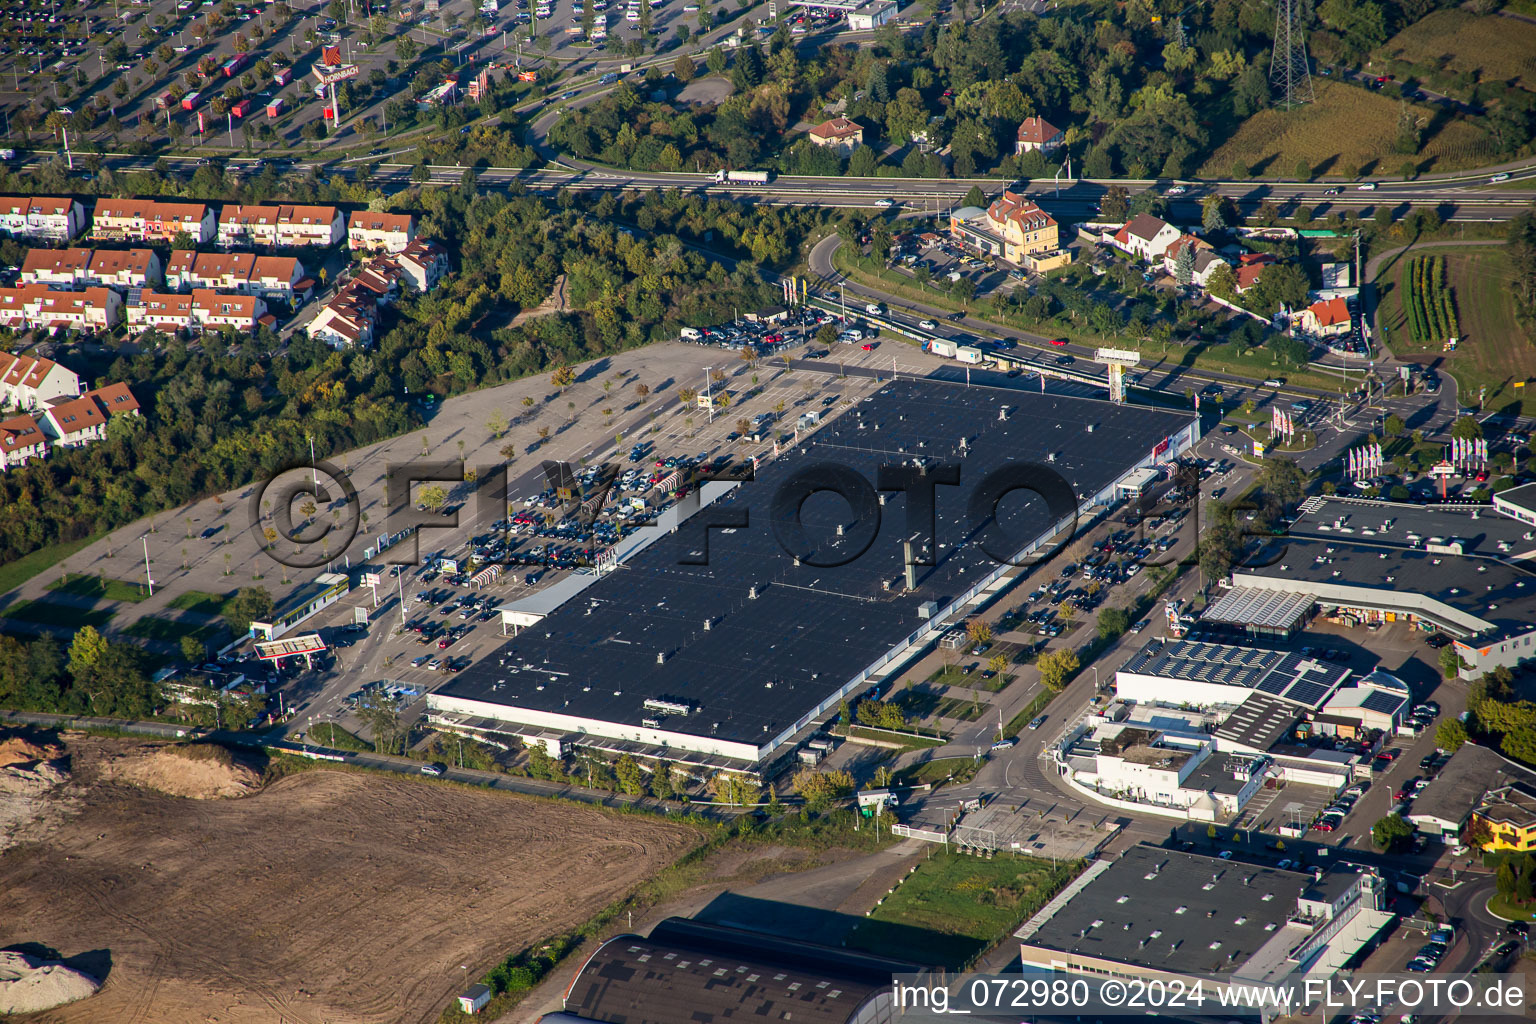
<point>1166,915</point>
<point>1198,674</point>
<point>719,647</point>
<point>1457,571</point>
<point>688,972</point>
<point>1462,786</point>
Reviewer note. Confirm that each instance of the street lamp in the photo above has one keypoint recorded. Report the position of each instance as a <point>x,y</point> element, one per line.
<point>709,398</point>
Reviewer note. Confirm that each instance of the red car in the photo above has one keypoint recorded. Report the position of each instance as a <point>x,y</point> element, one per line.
<point>445,643</point>
<point>868,348</point>
<point>1058,341</point>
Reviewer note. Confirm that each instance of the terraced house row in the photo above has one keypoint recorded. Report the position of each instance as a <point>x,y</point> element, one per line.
<point>279,226</point>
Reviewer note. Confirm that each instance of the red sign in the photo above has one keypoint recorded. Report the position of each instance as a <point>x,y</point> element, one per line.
<point>331,56</point>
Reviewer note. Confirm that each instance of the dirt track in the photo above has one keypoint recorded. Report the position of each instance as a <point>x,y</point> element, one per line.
<point>327,897</point>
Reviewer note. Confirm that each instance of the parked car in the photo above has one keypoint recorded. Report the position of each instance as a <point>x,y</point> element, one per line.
<point>434,769</point>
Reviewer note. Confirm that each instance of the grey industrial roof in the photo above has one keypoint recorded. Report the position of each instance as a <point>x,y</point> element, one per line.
<point>1289,675</point>
<point>1163,909</point>
<point>1523,496</point>
<point>1483,581</point>
<point>692,973</point>
<point>1259,722</point>
<point>1217,774</point>
<point>1254,606</point>
<point>1471,772</point>
<point>1332,885</point>
<point>763,663</point>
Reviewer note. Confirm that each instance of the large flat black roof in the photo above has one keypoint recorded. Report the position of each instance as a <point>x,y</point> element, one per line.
<point>763,663</point>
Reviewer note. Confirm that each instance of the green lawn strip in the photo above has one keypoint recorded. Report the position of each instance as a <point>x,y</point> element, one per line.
<point>957,907</point>
<point>329,734</point>
<point>154,627</point>
<point>908,741</point>
<point>14,574</point>
<point>79,584</point>
<point>52,613</point>
<point>961,710</point>
<point>201,602</point>
<point>937,770</point>
<point>1502,907</point>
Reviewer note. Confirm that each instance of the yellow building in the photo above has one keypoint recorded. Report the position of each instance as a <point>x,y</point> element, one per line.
<point>1012,227</point>
<point>1509,814</point>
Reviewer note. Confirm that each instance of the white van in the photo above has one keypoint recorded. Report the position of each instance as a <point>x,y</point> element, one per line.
<point>691,334</point>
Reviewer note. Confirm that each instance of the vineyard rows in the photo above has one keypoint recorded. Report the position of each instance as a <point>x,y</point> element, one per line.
<point>1430,306</point>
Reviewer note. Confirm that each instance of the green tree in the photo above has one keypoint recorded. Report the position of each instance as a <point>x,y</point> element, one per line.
<point>1391,832</point>
<point>193,650</point>
<point>432,496</point>
<point>86,652</point>
<point>627,771</point>
<point>1113,622</point>
<point>1056,667</point>
<point>381,714</point>
<point>1450,735</point>
<point>1450,662</point>
<point>821,789</point>
<point>250,604</point>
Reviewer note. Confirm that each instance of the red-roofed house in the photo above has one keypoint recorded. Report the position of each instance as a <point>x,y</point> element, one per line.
<point>149,220</point>
<point>1145,237</point>
<point>163,311</point>
<point>271,277</point>
<point>211,309</point>
<point>76,422</point>
<point>21,440</point>
<point>30,383</point>
<point>41,218</point>
<point>1327,318</point>
<point>81,268</point>
<point>1250,266</point>
<point>1036,133</point>
<point>1012,227</point>
<point>423,263</point>
<point>67,268</point>
<point>840,134</point>
<point>380,232</point>
<point>281,226</point>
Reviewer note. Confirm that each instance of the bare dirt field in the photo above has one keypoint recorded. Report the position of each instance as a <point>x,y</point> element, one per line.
<point>328,896</point>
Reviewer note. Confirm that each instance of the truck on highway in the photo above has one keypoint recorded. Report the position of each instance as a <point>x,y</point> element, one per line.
<point>940,347</point>
<point>967,354</point>
<point>723,177</point>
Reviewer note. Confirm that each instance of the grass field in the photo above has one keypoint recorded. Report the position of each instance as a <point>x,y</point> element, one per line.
<point>153,627</point>
<point>939,769</point>
<point>80,584</point>
<point>1493,350</point>
<point>1454,41</point>
<point>1348,131</point>
<point>966,904</point>
<point>52,613</point>
<point>14,574</point>
<point>201,601</point>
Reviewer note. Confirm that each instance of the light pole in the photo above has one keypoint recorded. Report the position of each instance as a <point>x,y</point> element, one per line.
<point>708,396</point>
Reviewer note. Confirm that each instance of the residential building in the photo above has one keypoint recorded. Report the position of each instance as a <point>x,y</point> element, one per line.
<point>41,218</point>
<point>348,320</point>
<point>167,312</point>
<point>1160,914</point>
<point>1509,815</point>
<point>81,268</point>
<point>201,309</point>
<point>838,134</point>
<point>274,278</point>
<point>281,226</point>
<point>1145,237</point>
<point>1036,133</point>
<point>211,309</point>
<point>380,232</point>
<point>30,383</point>
<point>149,220</point>
<point>1250,266</point>
<point>1205,263</point>
<point>423,264</point>
<point>1012,227</point>
<point>1326,318</point>
<point>38,306</point>
<point>21,440</point>
<point>76,422</point>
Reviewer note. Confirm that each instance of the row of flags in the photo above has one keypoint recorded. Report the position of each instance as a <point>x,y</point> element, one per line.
<point>1365,460</point>
<point>1465,450</point>
<point>1281,424</point>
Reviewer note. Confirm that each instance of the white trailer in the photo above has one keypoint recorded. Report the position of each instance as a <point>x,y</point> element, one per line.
<point>940,347</point>
<point>742,177</point>
<point>967,354</point>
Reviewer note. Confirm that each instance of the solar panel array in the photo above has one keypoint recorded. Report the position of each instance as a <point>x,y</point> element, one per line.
<point>1306,692</point>
<point>1382,702</point>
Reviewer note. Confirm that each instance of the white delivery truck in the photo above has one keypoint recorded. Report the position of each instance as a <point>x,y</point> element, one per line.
<point>940,347</point>
<point>743,177</point>
<point>967,354</point>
